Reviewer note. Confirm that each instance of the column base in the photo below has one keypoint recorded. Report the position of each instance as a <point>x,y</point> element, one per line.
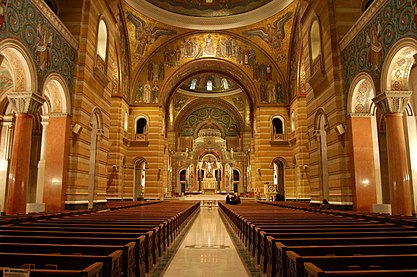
<point>35,207</point>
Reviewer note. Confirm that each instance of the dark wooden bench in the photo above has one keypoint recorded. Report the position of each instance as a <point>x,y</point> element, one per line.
<point>128,251</point>
<point>112,264</point>
<point>279,255</point>
<point>94,270</point>
<point>261,233</point>
<point>159,235</point>
<point>150,257</point>
<point>295,262</point>
<point>311,270</point>
<point>279,267</point>
<point>139,250</point>
<point>267,241</point>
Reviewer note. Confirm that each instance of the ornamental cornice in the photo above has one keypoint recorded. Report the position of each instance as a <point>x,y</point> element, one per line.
<point>360,115</point>
<point>361,23</point>
<point>58,115</point>
<point>55,22</point>
<point>392,101</point>
<point>209,23</point>
<point>25,102</point>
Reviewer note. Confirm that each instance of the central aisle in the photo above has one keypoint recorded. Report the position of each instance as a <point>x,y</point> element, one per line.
<point>207,250</point>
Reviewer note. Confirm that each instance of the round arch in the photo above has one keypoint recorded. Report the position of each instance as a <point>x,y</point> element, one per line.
<point>214,65</point>
<point>398,64</point>
<point>319,118</point>
<point>57,94</point>
<point>361,93</point>
<point>206,102</point>
<point>22,66</point>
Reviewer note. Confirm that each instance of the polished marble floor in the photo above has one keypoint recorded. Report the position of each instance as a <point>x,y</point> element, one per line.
<point>207,250</point>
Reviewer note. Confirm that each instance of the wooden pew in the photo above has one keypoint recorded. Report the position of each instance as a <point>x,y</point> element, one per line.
<point>128,251</point>
<point>261,233</point>
<point>94,270</point>
<point>277,262</point>
<point>279,268</point>
<point>112,264</point>
<point>251,223</point>
<point>295,262</point>
<point>149,248</point>
<point>139,250</point>
<point>311,270</point>
<point>266,245</point>
<point>158,232</point>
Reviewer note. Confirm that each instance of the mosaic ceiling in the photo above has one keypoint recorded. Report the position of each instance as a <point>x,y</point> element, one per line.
<point>209,8</point>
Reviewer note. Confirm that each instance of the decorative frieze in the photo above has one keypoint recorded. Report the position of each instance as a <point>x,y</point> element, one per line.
<point>392,101</point>
<point>25,102</point>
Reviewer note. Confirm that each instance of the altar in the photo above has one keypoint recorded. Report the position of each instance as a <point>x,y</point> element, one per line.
<point>209,185</point>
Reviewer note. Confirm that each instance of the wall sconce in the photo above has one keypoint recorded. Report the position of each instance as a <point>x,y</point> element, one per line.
<point>340,129</point>
<point>259,172</point>
<point>76,129</point>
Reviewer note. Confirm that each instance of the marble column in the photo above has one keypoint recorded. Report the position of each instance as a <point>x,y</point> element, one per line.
<point>392,104</point>
<point>25,105</point>
<point>363,163</point>
<point>56,161</point>
<point>41,164</point>
<point>5,148</point>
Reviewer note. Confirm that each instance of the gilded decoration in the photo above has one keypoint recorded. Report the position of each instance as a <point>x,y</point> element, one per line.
<point>401,68</point>
<point>222,117</point>
<point>144,34</point>
<point>367,51</point>
<point>6,81</point>
<point>211,45</point>
<point>209,8</point>
<point>161,50</point>
<point>18,70</point>
<point>53,93</point>
<point>121,66</point>
<point>181,99</point>
<point>50,51</point>
<point>363,97</point>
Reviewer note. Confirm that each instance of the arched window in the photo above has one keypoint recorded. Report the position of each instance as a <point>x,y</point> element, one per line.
<point>366,4</point>
<point>52,5</point>
<point>102,40</point>
<point>141,129</point>
<point>277,128</point>
<point>279,176</point>
<point>292,122</point>
<point>315,41</point>
<point>193,84</point>
<point>209,85</point>
<point>125,121</point>
<point>140,179</point>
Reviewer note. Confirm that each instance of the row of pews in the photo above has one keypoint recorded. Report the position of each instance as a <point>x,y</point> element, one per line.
<point>125,240</point>
<point>307,242</point>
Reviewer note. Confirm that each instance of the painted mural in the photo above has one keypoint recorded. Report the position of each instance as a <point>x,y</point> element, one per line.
<point>121,68</point>
<point>209,83</point>
<point>6,81</point>
<point>273,34</point>
<point>227,121</point>
<point>367,51</point>
<point>23,21</point>
<point>216,45</point>
<point>296,67</point>
<point>209,8</point>
<point>145,34</point>
<point>3,6</point>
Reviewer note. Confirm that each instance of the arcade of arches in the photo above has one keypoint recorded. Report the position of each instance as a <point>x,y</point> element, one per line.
<point>122,99</point>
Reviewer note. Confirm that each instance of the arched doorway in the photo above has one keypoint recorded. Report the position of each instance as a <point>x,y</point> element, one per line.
<point>279,176</point>
<point>139,180</point>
